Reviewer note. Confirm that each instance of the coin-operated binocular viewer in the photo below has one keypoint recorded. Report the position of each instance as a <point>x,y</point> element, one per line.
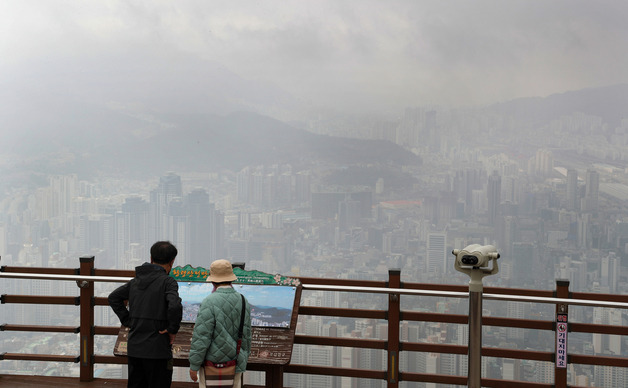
<point>475,261</point>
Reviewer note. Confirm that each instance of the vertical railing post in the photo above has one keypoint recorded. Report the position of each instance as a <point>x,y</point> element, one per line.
<point>87,320</point>
<point>562,321</point>
<point>394,281</point>
<point>474,355</point>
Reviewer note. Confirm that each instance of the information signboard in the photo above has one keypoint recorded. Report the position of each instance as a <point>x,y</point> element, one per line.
<point>274,303</point>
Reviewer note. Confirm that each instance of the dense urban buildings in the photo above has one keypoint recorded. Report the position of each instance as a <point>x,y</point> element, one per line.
<point>551,213</point>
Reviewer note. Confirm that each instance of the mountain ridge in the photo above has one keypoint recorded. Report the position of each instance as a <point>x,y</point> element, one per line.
<point>608,102</point>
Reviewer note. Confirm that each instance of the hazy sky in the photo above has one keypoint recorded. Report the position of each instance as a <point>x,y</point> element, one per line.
<point>355,54</point>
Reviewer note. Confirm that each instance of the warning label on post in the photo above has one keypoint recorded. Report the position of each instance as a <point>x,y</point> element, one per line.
<point>561,340</point>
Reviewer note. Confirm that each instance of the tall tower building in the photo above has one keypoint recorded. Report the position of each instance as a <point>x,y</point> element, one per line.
<point>494,196</point>
<point>257,189</point>
<point>135,213</point>
<point>244,186</point>
<point>511,369</point>
<point>609,273</point>
<point>169,188</point>
<point>511,189</point>
<point>507,234</point>
<point>572,190</point>
<point>608,376</point>
<point>284,192</point>
<point>592,191</point>
<point>348,214</point>
<point>518,311</point>
<point>198,210</point>
<point>466,182</point>
<point>64,189</point>
<point>603,343</point>
<point>584,230</point>
<point>544,162</point>
<point>320,356</point>
<point>525,263</point>
<point>177,227</point>
<point>302,187</point>
<point>436,261</point>
<point>270,188</point>
<point>462,338</point>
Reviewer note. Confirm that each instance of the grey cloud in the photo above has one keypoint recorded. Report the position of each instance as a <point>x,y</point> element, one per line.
<point>360,55</point>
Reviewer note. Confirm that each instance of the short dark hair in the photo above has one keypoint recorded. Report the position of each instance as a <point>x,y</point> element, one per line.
<point>163,252</point>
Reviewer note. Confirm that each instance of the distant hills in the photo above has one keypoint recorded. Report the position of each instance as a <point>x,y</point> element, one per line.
<point>231,142</point>
<point>91,140</point>
<point>609,102</point>
<point>46,130</point>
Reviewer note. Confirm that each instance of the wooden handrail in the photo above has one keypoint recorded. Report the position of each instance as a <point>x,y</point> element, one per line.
<point>39,357</point>
<point>40,329</point>
<point>340,341</point>
<point>87,301</point>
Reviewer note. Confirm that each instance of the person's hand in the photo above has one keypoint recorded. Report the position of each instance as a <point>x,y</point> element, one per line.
<point>193,375</point>
<point>172,336</point>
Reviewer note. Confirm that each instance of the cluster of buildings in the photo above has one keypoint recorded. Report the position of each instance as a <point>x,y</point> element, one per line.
<point>551,215</point>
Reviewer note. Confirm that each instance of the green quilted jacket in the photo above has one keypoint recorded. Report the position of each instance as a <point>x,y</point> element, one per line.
<point>216,330</point>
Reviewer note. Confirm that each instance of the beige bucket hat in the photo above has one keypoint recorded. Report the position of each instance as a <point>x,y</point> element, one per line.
<point>221,271</point>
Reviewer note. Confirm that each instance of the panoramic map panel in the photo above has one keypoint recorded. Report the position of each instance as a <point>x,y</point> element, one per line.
<point>271,305</point>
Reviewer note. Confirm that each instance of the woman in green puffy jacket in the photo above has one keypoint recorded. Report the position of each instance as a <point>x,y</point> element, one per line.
<point>216,329</point>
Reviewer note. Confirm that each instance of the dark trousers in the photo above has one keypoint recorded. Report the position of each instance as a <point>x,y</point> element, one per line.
<point>149,373</point>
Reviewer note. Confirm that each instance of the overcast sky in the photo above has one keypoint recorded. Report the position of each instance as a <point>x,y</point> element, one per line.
<point>356,55</point>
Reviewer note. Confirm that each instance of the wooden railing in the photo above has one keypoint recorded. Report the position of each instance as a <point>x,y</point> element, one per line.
<point>87,274</point>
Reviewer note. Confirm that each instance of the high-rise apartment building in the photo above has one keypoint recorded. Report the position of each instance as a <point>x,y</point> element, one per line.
<point>64,189</point>
<point>348,214</point>
<point>584,230</point>
<point>243,180</point>
<point>610,269</point>
<point>592,191</point>
<point>302,187</point>
<point>525,263</point>
<point>169,187</point>
<point>436,258</point>
<point>515,310</point>
<point>199,213</point>
<point>493,193</point>
<point>608,376</point>
<point>466,182</point>
<point>511,189</point>
<point>177,228</point>
<point>604,343</point>
<point>135,224</point>
<point>573,202</point>
<point>544,162</point>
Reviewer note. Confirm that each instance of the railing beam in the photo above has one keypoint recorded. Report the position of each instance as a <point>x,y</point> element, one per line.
<point>340,341</point>
<point>334,371</point>
<point>39,357</point>
<point>40,329</point>
<point>39,299</point>
<point>345,313</point>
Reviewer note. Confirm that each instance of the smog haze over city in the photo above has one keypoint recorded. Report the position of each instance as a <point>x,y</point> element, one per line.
<point>323,139</point>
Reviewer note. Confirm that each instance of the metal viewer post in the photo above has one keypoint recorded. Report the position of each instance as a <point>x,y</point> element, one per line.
<point>474,261</point>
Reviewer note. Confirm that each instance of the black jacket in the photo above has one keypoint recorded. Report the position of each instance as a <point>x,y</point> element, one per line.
<point>154,305</point>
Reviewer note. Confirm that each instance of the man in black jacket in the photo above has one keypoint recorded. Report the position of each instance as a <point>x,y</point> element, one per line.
<point>154,316</point>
